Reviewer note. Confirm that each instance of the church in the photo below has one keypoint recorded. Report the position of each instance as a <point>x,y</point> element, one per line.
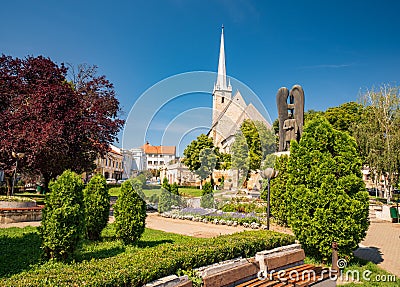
<point>229,111</point>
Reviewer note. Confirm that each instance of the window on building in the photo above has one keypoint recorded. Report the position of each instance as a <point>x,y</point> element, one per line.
<point>222,100</point>
<point>161,162</point>
<point>149,162</point>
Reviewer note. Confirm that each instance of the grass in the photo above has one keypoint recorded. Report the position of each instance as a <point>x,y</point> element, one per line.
<point>190,192</point>
<point>374,275</point>
<point>114,191</point>
<point>352,275</point>
<point>184,191</point>
<point>194,192</point>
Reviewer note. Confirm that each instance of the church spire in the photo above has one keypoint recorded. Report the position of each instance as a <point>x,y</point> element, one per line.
<point>221,78</point>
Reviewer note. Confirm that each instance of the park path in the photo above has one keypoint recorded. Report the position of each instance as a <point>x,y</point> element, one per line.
<point>382,245</point>
<point>184,227</point>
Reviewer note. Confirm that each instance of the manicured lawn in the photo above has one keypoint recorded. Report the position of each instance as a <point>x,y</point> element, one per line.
<point>194,192</point>
<point>111,263</point>
<point>115,191</point>
<point>149,192</point>
<point>190,192</point>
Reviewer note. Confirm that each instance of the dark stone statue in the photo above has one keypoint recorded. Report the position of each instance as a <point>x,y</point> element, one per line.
<point>291,115</point>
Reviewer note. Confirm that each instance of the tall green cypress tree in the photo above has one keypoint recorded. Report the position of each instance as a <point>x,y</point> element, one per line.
<point>328,198</point>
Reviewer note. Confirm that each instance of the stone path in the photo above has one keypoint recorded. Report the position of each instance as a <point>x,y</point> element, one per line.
<point>382,245</point>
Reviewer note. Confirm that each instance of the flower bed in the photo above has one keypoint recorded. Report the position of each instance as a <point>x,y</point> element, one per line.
<point>248,220</point>
<point>16,202</point>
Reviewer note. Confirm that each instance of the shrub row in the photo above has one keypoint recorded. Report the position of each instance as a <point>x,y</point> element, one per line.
<point>140,266</point>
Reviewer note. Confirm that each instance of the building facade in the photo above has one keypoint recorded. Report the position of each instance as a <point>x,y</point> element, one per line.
<point>158,156</point>
<point>134,161</point>
<point>110,166</point>
<point>180,174</point>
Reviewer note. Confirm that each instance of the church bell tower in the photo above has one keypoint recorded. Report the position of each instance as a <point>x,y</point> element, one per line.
<point>222,93</point>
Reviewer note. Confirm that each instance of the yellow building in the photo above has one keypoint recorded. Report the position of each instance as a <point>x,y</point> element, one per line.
<point>110,166</point>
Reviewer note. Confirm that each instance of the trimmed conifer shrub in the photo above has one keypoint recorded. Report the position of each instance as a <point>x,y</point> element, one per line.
<point>329,201</point>
<point>207,198</point>
<point>130,212</point>
<point>165,200</point>
<point>63,216</point>
<point>97,206</point>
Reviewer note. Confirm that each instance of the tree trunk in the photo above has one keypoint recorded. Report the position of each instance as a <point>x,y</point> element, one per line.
<point>8,182</point>
<point>46,180</point>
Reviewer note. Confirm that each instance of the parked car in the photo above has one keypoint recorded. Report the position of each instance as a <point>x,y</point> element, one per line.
<point>122,180</point>
<point>372,191</point>
<point>111,181</point>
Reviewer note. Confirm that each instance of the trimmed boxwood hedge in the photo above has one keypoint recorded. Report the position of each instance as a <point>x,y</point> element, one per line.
<point>139,265</point>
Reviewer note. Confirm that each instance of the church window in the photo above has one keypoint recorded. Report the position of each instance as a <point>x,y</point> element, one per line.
<point>222,100</point>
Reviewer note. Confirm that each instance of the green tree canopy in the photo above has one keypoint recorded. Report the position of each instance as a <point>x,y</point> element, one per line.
<point>329,202</point>
<point>193,150</point>
<point>253,143</point>
<point>345,116</point>
<point>378,133</point>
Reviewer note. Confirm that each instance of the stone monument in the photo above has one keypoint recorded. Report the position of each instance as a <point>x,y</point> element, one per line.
<point>290,114</point>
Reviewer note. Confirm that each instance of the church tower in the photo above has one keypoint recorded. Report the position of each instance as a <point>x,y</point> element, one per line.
<point>222,93</point>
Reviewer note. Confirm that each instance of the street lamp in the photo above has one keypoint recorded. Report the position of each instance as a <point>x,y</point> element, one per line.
<point>17,156</point>
<point>268,174</point>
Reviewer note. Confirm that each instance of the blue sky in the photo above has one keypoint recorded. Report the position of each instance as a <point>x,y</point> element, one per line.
<point>333,49</point>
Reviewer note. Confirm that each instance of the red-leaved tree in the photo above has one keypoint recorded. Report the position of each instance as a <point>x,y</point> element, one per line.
<point>57,124</point>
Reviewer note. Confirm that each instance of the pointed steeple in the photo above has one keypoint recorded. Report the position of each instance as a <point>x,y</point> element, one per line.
<point>221,83</point>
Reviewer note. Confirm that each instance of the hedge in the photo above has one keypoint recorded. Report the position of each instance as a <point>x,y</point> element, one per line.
<point>138,266</point>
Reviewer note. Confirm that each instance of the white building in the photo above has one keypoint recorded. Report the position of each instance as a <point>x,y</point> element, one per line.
<point>158,156</point>
<point>180,174</point>
<point>134,161</point>
<point>139,159</point>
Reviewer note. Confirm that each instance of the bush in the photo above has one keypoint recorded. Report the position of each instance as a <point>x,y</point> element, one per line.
<point>329,198</point>
<point>63,216</point>
<point>207,198</point>
<point>164,201</point>
<point>279,197</point>
<point>97,206</point>
<point>158,257</point>
<point>153,198</point>
<point>130,212</point>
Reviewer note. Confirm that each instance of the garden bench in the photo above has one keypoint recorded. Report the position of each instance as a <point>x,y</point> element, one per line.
<point>282,266</point>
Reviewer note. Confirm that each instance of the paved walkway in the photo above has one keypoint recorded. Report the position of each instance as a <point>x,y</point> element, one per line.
<point>382,245</point>
<point>184,227</point>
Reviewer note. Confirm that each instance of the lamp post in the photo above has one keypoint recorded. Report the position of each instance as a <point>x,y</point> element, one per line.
<point>17,156</point>
<point>268,174</point>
